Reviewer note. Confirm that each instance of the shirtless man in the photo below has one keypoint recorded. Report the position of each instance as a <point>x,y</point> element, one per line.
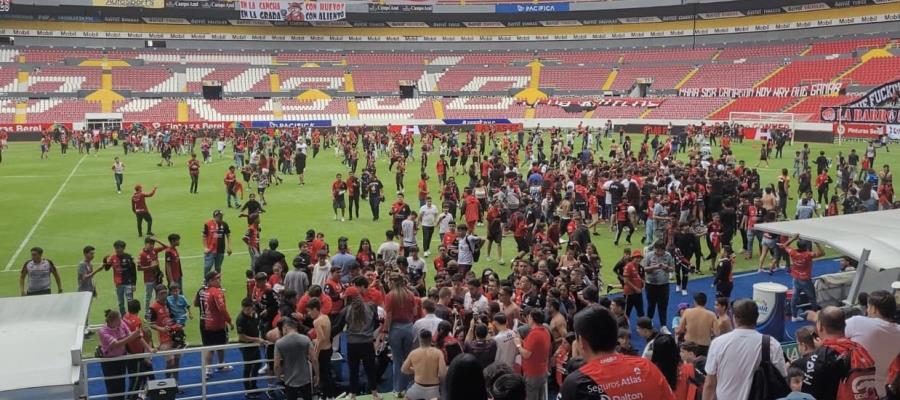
<point>557,322</point>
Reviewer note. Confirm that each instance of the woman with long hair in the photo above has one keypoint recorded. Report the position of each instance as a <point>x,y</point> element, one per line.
<point>444,340</point>
<point>465,380</point>
<point>365,256</point>
<point>359,320</point>
<point>679,375</point>
<point>402,308</point>
<point>114,335</point>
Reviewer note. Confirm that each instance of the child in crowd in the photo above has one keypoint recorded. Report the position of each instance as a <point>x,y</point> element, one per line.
<point>178,305</point>
<point>795,380</point>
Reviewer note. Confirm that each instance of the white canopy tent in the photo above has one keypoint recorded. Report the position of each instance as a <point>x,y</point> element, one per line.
<point>872,238</point>
<point>41,346</point>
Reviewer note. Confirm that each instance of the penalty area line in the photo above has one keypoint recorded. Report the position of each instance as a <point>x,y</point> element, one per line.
<point>40,219</point>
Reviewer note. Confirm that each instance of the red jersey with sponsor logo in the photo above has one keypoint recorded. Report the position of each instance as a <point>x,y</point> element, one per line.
<point>617,376</point>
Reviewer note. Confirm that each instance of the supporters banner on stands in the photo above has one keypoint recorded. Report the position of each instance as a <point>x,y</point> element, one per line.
<point>291,11</point>
<point>588,105</point>
<point>130,3</point>
<point>878,96</point>
<point>875,115</point>
<point>857,131</point>
<point>819,89</point>
<point>533,8</point>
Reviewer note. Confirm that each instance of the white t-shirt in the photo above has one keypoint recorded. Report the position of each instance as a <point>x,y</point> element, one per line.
<point>881,338</point>
<point>480,305</point>
<point>734,356</point>
<point>445,222</point>
<point>429,215</point>
<point>388,252</point>
<point>506,348</point>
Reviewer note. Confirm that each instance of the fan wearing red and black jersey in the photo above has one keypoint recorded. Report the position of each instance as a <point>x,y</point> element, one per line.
<point>608,374</point>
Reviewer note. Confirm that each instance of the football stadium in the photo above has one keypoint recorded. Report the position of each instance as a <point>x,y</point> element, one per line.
<point>449,199</point>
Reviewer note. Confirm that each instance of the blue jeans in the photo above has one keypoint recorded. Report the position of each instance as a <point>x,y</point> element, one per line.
<point>807,287</point>
<point>212,260</point>
<point>649,227</point>
<point>400,338</point>
<point>149,291</point>
<point>124,292</point>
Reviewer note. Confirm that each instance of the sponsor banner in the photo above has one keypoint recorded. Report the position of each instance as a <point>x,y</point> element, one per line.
<point>333,24</point>
<point>249,22</point>
<point>885,1</point>
<point>588,105</point>
<point>485,121</point>
<point>860,114</point>
<point>407,24</point>
<point>857,131</point>
<point>486,24</point>
<point>121,20</point>
<point>207,4</point>
<point>34,127</point>
<point>291,11</point>
<point>560,23</point>
<point>129,3</point>
<point>318,123</point>
<point>877,96</point>
<point>129,125</point>
<point>819,89</point>
<point>404,8</point>
<point>895,17</point>
<point>639,20</point>
<point>166,20</point>
<point>724,14</point>
<point>533,8</point>
<point>893,131</point>
<point>502,127</point>
<point>806,7</point>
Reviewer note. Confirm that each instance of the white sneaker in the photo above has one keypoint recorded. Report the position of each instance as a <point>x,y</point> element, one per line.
<point>677,288</point>
<point>797,319</point>
<point>500,261</point>
<point>427,253</point>
<point>684,293</point>
<point>264,370</point>
<point>342,219</point>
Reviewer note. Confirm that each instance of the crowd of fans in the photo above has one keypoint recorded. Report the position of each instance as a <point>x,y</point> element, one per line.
<point>552,324</point>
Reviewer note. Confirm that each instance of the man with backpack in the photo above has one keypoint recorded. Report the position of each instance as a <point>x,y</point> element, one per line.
<point>469,249</point>
<point>734,355</point>
<point>839,368</point>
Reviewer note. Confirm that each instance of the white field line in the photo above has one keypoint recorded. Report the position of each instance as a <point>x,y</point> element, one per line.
<point>34,227</point>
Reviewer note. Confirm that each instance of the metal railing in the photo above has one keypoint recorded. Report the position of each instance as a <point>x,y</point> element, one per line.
<point>203,384</point>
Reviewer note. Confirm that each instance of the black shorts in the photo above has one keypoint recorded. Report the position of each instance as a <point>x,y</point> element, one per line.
<point>213,338</point>
<point>522,245</point>
<point>495,234</point>
<point>338,202</point>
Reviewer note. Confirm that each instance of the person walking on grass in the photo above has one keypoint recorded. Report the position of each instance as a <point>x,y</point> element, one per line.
<point>140,210</point>
<point>118,168</point>
<point>217,240</point>
<point>194,172</point>
<point>37,272</point>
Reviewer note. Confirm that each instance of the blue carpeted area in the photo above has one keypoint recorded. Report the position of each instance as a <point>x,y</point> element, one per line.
<point>743,288</point>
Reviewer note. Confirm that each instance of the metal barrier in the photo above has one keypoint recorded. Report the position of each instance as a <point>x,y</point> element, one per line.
<point>203,384</point>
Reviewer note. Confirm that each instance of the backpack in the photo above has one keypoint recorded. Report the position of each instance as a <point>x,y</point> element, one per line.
<point>859,384</point>
<point>767,383</point>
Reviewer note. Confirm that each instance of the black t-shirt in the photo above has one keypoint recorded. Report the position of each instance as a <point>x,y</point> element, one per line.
<point>248,326</point>
<point>267,259</point>
<point>823,370</point>
<point>375,187</point>
<point>222,230</point>
<point>128,269</point>
<point>484,351</point>
<point>853,159</point>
